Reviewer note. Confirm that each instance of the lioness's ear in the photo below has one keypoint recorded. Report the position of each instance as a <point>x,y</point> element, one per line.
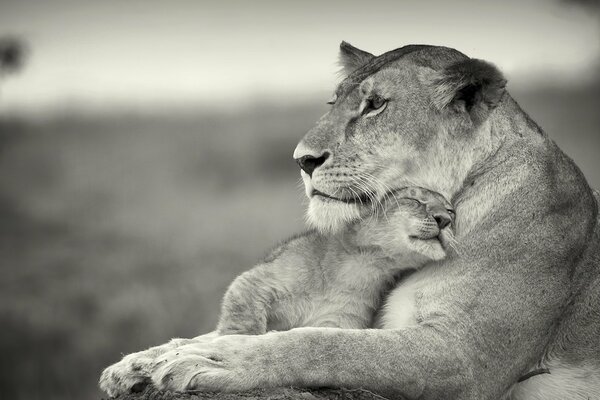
<point>473,86</point>
<point>352,58</point>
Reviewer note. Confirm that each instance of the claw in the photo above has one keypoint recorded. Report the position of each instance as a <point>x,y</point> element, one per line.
<point>140,386</point>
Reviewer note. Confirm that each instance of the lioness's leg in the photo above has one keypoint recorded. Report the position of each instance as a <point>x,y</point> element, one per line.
<point>134,370</point>
<point>467,344</point>
<point>412,362</point>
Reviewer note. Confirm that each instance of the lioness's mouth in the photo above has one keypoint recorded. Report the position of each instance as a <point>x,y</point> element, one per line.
<point>361,199</point>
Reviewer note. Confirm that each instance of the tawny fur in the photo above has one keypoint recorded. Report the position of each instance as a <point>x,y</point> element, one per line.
<point>524,292</point>
<point>338,280</point>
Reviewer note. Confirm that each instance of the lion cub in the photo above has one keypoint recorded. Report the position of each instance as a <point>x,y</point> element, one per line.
<point>339,280</point>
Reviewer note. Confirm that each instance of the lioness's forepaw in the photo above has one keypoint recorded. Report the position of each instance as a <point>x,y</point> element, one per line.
<point>225,364</point>
<point>131,374</point>
<point>180,374</point>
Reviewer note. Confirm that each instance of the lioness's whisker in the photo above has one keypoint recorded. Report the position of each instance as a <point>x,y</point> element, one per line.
<point>363,184</point>
<point>366,177</point>
<point>355,195</point>
<point>386,188</point>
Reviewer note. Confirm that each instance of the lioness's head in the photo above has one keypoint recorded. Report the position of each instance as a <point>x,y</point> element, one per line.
<point>415,116</point>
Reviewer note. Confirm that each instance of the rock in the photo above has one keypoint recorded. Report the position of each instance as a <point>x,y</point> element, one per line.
<point>150,393</point>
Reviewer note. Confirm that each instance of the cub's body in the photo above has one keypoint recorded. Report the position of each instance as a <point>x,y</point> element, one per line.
<point>338,280</point>
<point>336,286</point>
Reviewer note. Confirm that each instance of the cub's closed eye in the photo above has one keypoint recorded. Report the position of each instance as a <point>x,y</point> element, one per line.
<point>332,100</point>
<point>413,202</point>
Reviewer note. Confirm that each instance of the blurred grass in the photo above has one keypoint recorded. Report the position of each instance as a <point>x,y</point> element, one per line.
<point>118,232</point>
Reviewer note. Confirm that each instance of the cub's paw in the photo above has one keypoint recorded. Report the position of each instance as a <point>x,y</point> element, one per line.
<point>131,374</point>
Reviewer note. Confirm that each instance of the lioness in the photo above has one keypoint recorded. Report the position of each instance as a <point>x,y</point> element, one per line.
<point>338,280</point>
<point>524,293</point>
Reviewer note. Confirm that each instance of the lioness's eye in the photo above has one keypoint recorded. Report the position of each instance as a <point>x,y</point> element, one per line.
<point>376,102</point>
<point>374,105</point>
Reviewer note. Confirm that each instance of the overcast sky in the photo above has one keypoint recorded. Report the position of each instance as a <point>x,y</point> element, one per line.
<point>97,53</point>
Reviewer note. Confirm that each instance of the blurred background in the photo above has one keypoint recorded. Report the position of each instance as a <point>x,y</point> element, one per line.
<point>145,150</point>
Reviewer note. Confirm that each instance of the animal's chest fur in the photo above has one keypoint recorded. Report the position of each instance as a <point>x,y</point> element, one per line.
<point>351,291</point>
<point>359,280</point>
<point>402,306</point>
<point>361,272</point>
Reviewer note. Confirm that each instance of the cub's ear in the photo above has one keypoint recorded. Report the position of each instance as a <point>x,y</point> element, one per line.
<point>352,58</point>
<point>472,86</point>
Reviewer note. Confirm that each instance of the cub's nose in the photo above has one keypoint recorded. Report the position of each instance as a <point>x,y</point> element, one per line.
<point>309,163</point>
<point>442,219</point>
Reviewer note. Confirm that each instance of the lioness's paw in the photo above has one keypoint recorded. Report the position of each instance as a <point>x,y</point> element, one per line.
<point>132,373</point>
<point>225,364</point>
<point>178,373</point>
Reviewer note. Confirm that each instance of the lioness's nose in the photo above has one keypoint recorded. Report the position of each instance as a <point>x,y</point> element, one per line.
<point>442,219</point>
<point>309,163</point>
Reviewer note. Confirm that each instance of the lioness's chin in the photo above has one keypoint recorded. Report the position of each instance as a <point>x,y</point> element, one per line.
<point>330,216</point>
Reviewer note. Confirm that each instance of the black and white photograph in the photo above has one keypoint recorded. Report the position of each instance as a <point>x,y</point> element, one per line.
<point>299,200</point>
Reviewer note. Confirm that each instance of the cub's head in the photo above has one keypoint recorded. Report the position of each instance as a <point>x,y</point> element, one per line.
<point>412,222</point>
<point>415,116</point>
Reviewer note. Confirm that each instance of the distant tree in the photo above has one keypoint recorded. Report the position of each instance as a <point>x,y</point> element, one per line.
<point>12,55</point>
<point>593,5</point>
